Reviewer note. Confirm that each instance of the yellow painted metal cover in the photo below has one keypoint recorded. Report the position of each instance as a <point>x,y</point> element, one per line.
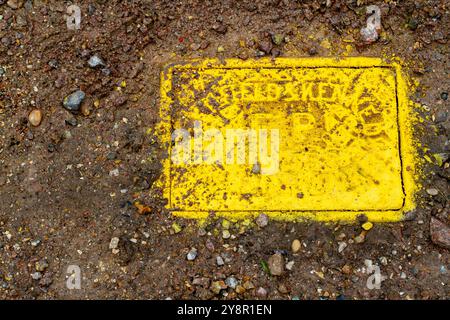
<point>293,138</point>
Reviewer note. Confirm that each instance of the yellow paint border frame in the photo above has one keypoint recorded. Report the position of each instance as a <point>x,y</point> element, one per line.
<point>405,116</point>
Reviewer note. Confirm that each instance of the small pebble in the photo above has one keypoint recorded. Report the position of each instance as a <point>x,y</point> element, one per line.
<point>14,4</point>
<point>35,243</point>
<point>73,101</point>
<point>95,61</point>
<point>342,246</point>
<point>444,96</point>
<point>226,234</point>
<point>441,116</point>
<point>204,282</point>
<point>220,28</point>
<point>231,282</point>
<point>71,121</point>
<point>219,261</point>
<point>114,243</point>
<point>2,71</point>
<point>432,192</point>
<point>53,63</point>
<point>383,261</point>
<point>106,71</point>
<point>240,289</point>
<point>276,264</point>
<point>226,257</point>
<point>192,254</point>
<point>341,236</point>
<point>362,218</point>
<point>360,238</point>
<point>296,246</point>
<point>217,286</point>
<point>443,269</point>
<point>265,46</point>
<point>248,285</point>
<point>35,117</point>
<point>86,109</point>
<point>111,155</point>
<point>290,265</point>
<point>346,269</point>
<point>262,220</point>
<point>261,292</point>
<point>209,245</point>
<point>440,233</point>
<point>114,173</point>
<point>36,275</point>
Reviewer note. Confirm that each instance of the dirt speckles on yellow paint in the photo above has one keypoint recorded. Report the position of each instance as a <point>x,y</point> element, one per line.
<point>315,138</point>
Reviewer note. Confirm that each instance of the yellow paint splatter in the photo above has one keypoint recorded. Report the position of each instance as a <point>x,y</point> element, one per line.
<point>367,225</point>
<point>176,227</point>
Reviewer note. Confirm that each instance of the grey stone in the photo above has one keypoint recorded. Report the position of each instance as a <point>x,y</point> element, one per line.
<point>36,275</point>
<point>219,261</point>
<point>95,61</point>
<point>73,101</point>
<point>192,254</point>
<point>232,282</point>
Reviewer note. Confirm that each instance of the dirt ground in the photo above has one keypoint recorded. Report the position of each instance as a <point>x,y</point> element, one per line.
<point>69,186</point>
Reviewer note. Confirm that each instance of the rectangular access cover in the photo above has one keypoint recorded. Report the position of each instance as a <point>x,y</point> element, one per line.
<point>315,138</point>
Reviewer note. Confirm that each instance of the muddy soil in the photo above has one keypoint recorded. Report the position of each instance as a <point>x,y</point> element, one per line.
<point>70,186</point>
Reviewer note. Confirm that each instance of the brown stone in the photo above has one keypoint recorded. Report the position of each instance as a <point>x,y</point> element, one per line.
<point>440,233</point>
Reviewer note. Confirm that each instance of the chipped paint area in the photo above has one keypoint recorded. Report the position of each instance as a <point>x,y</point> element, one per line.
<point>294,138</point>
